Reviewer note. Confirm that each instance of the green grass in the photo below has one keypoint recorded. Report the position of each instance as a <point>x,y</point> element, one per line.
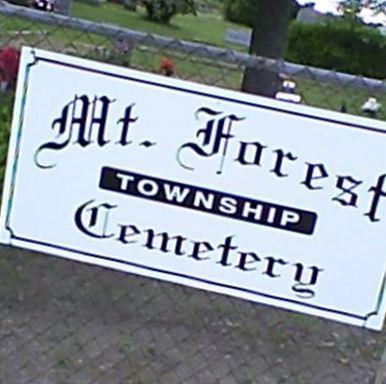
<point>332,97</point>
<point>207,27</point>
<point>6,102</point>
<point>126,344</point>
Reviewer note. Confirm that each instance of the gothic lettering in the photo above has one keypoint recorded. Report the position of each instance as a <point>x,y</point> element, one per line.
<point>214,137</point>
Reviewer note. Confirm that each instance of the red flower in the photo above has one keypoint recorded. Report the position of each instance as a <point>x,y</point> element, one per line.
<point>9,64</point>
<point>167,66</point>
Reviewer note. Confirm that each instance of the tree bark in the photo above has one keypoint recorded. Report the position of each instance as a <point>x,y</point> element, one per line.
<point>269,39</point>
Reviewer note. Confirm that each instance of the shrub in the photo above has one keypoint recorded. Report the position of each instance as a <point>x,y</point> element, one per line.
<point>163,10</point>
<point>245,11</point>
<point>336,45</point>
<point>241,11</point>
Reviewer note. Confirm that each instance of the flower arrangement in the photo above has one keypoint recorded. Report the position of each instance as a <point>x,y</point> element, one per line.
<point>9,65</point>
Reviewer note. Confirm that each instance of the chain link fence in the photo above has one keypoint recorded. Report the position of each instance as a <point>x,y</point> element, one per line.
<point>63,322</point>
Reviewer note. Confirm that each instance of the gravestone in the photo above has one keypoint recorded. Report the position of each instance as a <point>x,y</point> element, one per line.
<point>239,37</point>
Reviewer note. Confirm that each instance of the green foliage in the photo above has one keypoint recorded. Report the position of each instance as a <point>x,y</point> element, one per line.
<point>335,45</point>
<point>351,6</point>
<point>356,6</point>
<point>215,6</point>
<point>245,11</point>
<point>352,9</point>
<point>126,345</point>
<point>241,11</point>
<point>163,10</point>
<point>6,101</point>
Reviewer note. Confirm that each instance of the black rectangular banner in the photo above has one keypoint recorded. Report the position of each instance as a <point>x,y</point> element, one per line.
<point>209,201</point>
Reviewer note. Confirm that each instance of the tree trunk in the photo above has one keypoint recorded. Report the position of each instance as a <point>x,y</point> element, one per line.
<point>269,39</point>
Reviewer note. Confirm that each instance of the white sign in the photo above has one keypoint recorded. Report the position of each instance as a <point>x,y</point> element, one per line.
<point>267,201</point>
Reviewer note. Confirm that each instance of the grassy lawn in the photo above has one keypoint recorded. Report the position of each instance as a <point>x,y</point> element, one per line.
<point>207,27</point>
<point>332,97</point>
